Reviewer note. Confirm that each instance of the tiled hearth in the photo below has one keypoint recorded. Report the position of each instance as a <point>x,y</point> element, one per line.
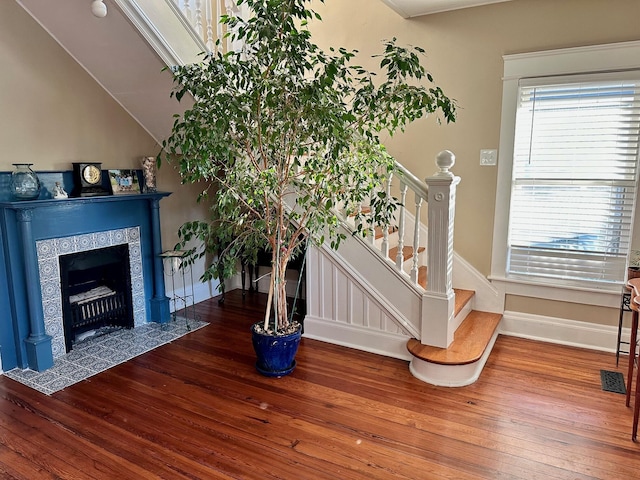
<point>103,352</point>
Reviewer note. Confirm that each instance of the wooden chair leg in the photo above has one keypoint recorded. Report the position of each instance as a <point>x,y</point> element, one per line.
<point>632,354</point>
<point>636,408</point>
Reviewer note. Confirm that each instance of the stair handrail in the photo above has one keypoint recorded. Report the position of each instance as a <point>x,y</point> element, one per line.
<point>421,248</point>
<point>412,181</point>
<point>429,248</point>
<point>145,16</point>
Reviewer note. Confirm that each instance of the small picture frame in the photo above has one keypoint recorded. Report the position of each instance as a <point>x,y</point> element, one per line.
<point>124,181</point>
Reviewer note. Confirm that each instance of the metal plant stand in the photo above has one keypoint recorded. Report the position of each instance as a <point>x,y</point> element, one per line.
<point>182,297</point>
<point>625,306</point>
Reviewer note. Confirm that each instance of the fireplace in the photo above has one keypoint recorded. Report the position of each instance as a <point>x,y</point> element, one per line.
<point>55,252</point>
<point>37,234</point>
<point>96,291</point>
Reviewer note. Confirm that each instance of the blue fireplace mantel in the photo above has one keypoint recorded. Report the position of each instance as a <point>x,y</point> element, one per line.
<point>24,342</point>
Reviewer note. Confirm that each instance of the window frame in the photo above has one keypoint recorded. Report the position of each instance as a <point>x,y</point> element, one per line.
<point>571,61</point>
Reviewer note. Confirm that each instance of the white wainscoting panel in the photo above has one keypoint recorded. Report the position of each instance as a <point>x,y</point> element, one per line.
<point>343,311</point>
<point>562,331</point>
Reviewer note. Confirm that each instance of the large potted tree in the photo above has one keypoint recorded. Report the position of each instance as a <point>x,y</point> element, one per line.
<point>284,136</point>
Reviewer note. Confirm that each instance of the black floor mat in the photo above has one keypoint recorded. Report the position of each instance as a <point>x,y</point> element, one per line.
<point>612,382</point>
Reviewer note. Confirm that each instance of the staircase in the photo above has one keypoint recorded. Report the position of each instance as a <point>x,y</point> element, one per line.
<point>390,292</point>
<point>461,362</point>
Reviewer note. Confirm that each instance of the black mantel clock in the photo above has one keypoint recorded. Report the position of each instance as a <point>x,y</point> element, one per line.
<point>87,180</point>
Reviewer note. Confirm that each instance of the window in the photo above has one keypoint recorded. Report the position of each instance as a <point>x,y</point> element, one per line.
<point>574,178</point>
<point>567,173</point>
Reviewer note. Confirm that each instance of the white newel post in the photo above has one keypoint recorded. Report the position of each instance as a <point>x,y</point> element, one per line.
<point>439,300</point>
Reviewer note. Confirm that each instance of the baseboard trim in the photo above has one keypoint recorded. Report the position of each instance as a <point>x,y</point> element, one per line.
<point>562,331</point>
<point>360,338</point>
<point>201,292</point>
<point>517,324</point>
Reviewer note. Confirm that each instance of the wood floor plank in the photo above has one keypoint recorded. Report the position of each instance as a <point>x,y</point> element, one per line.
<point>105,462</point>
<point>14,466</point>
<point>276,413</point>
<point>197,409</point>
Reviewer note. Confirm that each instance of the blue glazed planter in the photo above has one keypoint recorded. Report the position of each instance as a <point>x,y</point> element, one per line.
<point>276,354</point>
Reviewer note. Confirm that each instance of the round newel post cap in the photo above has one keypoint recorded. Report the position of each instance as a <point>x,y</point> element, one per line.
<point>445,160</point>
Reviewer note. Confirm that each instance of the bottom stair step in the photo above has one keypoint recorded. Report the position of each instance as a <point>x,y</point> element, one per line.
<point>469,342</point>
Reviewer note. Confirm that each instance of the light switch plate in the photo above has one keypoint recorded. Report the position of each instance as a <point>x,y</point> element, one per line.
<point>488,157</point>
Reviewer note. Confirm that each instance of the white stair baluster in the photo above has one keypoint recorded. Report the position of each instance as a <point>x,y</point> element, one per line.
<point>233,9</point>
<point>221,10</point>
<point>384,248</point>
<point>197,24</point>
<point>403,196</point>
<point>372,226</point>
<point>416,239</point>
<point>210,17</point>
<point>186,9</point>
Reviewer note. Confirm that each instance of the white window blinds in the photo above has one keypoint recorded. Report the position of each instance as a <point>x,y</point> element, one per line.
<point>574,178</point>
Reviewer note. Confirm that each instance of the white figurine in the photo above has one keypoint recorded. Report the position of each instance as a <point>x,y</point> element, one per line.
<point>58,191</point>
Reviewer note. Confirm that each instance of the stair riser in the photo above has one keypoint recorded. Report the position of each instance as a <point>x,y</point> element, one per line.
<point>462,314</point>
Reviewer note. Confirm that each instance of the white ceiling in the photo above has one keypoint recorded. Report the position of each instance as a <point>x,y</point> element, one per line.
<point>415,8</point>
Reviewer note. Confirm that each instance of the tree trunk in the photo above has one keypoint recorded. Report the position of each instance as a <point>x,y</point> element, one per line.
<point>278,271</point>
<point>281,298</point>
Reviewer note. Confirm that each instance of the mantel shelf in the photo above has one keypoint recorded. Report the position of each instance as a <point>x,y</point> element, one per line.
<point>46,203</point>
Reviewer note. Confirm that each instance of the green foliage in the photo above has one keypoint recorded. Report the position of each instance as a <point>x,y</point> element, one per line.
<point>284,133</point>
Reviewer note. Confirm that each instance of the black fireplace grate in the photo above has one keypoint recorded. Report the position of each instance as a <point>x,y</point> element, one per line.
<point>104,311</point>
<point>96,291</point>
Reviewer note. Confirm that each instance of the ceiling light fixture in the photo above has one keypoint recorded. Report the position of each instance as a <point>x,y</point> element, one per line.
<point>98,8</point>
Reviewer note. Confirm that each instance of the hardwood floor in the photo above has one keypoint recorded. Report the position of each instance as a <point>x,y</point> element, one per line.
<point>197,409</point>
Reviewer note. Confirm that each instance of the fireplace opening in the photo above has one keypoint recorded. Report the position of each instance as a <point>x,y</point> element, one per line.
<point>96,291</point>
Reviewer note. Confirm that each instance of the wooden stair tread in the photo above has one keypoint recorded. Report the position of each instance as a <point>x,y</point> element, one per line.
<point>363,210</point>
<point>379,231</point>
<point>407,252</point>
<point>469,343</point>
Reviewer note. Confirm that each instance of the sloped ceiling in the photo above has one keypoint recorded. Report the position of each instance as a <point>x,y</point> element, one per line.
<point>116,55</point>
<point>120,59</point>
<point>416,8</point>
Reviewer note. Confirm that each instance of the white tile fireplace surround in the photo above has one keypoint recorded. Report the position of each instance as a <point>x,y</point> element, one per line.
<point>50,250</point>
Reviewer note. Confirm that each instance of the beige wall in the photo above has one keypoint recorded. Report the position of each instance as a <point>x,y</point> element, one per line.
<point>464,53</point>
<point>53,113</point>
